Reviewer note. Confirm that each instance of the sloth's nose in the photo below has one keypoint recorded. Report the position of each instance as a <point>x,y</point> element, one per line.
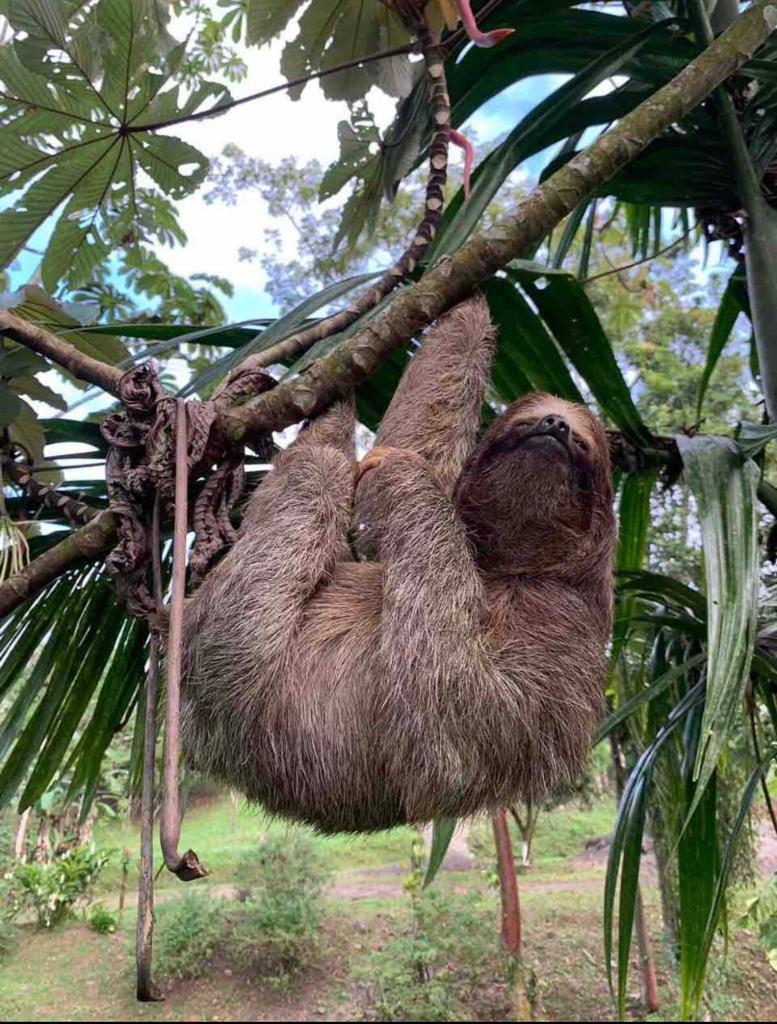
<point>555,425</point>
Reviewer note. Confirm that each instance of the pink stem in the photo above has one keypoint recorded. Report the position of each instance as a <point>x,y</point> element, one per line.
<point>484,39</point>
<point>469,155</point>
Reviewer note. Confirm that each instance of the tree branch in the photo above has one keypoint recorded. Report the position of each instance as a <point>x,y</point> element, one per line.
<point>638,263</point>
<point>87,542</point>
<point>222,108</point>
<point>454,277</point>
<point>46,344</point>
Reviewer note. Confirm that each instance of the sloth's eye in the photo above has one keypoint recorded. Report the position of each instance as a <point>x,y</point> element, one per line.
<point>581,444</point>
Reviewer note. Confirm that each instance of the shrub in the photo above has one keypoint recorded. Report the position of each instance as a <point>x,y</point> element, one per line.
<point>272,933</point>
<point>189,931</point>
<point>102,921</point>
<point>276,932</point>
<point>447,955</point>
<point>52,889</point>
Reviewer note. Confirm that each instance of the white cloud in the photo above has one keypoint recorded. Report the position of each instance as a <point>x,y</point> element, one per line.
<point>270,128</point>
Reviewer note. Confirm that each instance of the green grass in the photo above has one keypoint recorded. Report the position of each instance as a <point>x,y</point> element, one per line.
<point>226,841</point>
<point>563,832</point>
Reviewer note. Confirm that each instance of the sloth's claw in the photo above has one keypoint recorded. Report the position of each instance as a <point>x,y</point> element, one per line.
<point>373,459</point>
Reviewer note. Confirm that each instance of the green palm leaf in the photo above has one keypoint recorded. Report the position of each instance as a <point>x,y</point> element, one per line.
<point>724,486</point>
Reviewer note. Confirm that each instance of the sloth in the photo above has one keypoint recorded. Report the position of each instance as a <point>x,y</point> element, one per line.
<point>462,666</point>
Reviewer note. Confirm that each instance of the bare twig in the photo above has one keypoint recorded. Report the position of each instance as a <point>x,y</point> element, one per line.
<point>450,43</point>
<point>145,989</point>
<point>645,259</point>
<point>221,108</point>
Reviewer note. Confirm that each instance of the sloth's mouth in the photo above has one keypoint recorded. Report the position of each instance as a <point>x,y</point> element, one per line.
<point>545,440</point>
<point>535,440</point>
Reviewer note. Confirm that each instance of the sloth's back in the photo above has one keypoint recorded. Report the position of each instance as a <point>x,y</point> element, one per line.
<point>308,735</point>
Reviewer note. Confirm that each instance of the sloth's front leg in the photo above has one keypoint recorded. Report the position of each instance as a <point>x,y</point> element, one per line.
<point>437,670</point>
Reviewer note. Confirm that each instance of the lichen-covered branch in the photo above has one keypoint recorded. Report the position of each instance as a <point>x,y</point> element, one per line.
<point>454,277</point>
<point>48,345</point>
<point>91,540</point>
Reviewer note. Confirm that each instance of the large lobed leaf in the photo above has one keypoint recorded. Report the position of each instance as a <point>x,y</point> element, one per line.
<point>81,93</point>
<point>333,32</point>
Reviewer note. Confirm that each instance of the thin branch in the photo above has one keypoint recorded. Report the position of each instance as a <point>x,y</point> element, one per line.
<point>48,345</point>
<point>450,43</point>
<point>645,259</point>
<point>145,989</point>
<point>221,108</point>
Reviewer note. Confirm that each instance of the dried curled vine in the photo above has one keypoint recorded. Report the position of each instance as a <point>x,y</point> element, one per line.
<point>439,101</point>
<point>141,463</point>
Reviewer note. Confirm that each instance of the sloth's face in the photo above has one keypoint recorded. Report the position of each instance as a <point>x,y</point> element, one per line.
<point>537,488</point>
<point>541,433</point>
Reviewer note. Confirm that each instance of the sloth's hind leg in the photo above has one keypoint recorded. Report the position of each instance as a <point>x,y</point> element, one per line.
<point>240,626</point>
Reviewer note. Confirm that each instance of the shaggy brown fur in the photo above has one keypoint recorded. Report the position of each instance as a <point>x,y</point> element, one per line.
<point>460,670</point>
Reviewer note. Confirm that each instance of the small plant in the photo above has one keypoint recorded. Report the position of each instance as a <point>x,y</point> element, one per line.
<point>102,921</point>
<point>272,933</point>
<point>54,888</point>
<point>277,929</point>
<point>8,939</point>
<point>189,931</point>
<point>447,952</point>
